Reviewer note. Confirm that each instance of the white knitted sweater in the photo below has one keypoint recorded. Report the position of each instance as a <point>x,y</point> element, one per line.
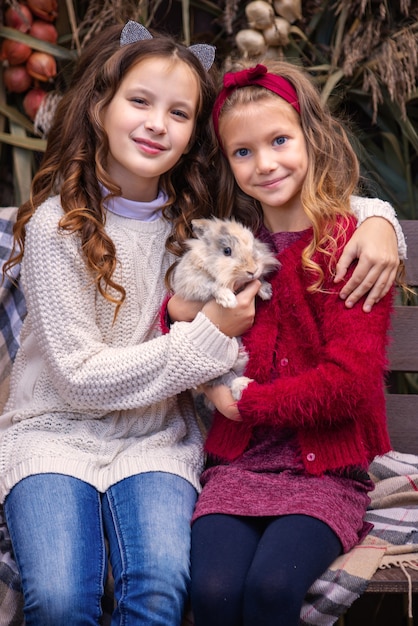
<point>94,399</point>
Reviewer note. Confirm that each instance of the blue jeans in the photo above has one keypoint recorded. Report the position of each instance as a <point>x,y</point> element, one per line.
<point>58,526</point>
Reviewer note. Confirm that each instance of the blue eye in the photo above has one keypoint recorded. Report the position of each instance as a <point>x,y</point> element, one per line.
<point>227,251</point>
<point>242,152</point>
<point>279,141</point>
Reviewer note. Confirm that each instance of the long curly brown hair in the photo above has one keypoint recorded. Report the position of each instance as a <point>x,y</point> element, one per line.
<point>74,164</point>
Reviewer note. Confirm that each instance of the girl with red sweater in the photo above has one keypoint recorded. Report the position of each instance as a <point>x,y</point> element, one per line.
<point>286,486</point>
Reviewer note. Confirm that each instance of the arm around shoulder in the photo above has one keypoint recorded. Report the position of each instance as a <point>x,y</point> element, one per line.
<point>363,208</point>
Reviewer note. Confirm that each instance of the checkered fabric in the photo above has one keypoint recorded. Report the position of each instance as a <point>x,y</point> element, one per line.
<point>12,312</point>
<point>12,303</point>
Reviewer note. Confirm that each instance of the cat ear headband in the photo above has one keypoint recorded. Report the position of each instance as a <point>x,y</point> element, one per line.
<point>133,32</point>
<point>257,75</point>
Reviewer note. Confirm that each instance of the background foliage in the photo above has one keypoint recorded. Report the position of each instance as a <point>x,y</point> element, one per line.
<point>362,53</point>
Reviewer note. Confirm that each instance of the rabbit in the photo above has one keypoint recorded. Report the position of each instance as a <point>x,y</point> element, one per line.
<point>220,260</point>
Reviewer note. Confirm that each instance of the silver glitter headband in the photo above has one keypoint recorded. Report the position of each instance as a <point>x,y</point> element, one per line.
<point>133,31</point>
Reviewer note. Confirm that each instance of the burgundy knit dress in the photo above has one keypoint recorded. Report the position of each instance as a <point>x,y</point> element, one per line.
<point>270,479</point>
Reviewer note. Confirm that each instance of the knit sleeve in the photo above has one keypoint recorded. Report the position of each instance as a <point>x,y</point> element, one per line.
<point>346,370</point>
<point>88,371</point>
<point>364,208</point>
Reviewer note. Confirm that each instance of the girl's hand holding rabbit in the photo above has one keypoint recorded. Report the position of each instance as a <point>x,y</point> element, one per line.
<point>221,397</point>
<point>233,322</point>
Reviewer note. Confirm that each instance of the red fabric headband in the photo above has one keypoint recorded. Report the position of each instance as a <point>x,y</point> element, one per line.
<point>257,75</point>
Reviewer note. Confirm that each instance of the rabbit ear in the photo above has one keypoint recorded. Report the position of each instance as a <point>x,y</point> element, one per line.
<point>199,227</point>
<point>132,32</point>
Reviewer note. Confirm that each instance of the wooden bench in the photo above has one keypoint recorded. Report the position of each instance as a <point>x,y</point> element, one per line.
<point>402,412</point>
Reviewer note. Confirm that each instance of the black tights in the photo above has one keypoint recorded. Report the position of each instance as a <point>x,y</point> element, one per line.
<point>250,571</point>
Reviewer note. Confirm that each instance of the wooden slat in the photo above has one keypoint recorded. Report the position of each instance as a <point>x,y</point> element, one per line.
<point>402,417</point>
<point>410,229</point>
<point>402,409</point>
<point>403,348</point>
<point>392,580</point>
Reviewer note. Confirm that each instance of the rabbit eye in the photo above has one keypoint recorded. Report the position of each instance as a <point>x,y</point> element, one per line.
<point>227,251</point>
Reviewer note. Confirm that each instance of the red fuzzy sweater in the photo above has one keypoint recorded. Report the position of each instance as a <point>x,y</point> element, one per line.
<point>318,370</point>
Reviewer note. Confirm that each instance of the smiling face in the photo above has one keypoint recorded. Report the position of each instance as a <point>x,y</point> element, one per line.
<point>266,150</point>
<point>149,124</point>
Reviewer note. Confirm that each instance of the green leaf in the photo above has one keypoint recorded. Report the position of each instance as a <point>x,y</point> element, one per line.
<point>13,114</point>
<point>185,12</point>
<point>37,44</point>
<point>29,143</point>
<point>22,167</point>
<point>330,84</point>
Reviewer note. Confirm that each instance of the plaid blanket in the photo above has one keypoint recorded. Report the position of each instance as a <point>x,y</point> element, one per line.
<point>393,541</point>
<point>12,304</point>
<point>12,312</point>
<point>393,511</point>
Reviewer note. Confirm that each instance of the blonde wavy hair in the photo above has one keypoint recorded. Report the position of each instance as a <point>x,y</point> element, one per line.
<point>332,175</point>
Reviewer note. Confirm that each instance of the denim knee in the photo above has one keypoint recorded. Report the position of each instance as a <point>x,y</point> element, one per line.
<point>56,530</point>
<point>59,603</point>
<point>147,519</point>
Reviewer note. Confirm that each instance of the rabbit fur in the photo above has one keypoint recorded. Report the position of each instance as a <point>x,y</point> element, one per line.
<point>220,260</point>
